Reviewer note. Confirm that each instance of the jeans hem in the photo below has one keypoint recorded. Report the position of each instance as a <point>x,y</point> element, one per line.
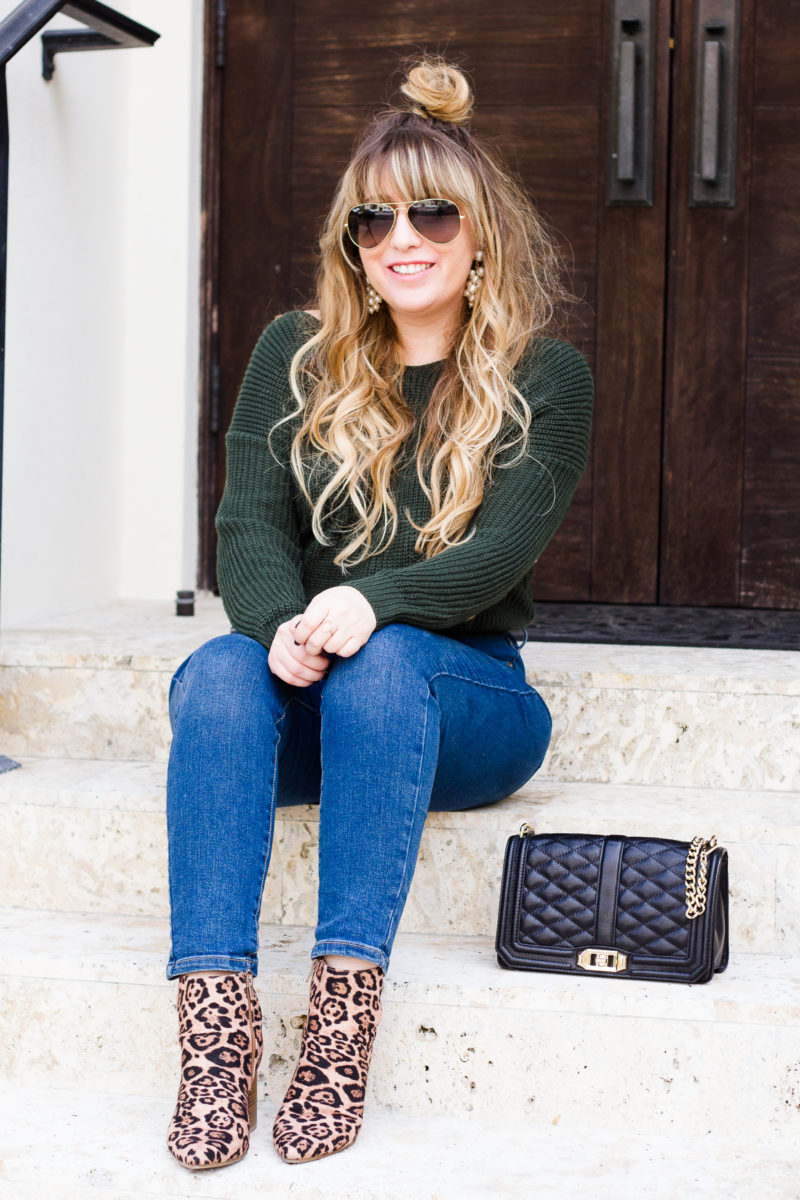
<point>350,950</point>
<point>211,962</point>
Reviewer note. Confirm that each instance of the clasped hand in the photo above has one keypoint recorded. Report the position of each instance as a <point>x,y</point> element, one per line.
<point>339,620</point>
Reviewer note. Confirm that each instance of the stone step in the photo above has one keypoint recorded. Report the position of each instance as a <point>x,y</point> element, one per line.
<point>91,836</point>
<point>79,1145</point>
<point>84,1003</point>
<point>94,685</point>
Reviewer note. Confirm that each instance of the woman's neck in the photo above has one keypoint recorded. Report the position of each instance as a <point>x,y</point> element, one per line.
<point>423,339</point>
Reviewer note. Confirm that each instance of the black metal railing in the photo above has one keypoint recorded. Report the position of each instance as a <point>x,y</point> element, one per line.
<point>106,29</point>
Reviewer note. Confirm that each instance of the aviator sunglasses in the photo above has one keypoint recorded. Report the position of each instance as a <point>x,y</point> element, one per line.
<point>435,220</point>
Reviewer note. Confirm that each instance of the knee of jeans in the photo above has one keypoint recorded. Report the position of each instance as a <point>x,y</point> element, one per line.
<point>389,647</point>
<point>396,652</point>
<point>220,665</point>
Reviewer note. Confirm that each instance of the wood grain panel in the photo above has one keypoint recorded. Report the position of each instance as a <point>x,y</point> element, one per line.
<point>630,320</point>
<point>777,65</point>
<point>704,386</point>
<point>559,71</point>
<point>774,312</point>
<point>256,182</point>
<point>771,511</point>
<point>519,52</point>
<point>361,24</point>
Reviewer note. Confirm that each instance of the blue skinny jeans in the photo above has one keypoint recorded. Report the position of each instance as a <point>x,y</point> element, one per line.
<point>413,722</point>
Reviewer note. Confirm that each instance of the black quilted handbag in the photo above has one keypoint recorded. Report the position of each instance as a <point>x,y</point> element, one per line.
<point>637,908</point>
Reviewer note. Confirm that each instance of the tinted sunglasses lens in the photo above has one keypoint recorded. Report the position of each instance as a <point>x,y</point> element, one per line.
<point>368,224</point>
<point>437,220</point>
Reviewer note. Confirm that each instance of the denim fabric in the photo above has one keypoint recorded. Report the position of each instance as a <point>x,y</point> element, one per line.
<point>414,721</point>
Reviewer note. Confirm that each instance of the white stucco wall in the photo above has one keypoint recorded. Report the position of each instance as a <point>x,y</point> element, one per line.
<point>99,494</point>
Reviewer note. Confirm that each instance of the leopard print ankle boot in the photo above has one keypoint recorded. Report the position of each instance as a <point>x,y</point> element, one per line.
<point>221,1046</point>
<point>324,1106</point>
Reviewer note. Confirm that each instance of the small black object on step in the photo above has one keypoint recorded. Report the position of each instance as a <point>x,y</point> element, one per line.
<point>184,606</point>
<point>7,764</point>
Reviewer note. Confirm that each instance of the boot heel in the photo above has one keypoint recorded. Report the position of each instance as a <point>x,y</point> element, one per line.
<point>252,1103</point>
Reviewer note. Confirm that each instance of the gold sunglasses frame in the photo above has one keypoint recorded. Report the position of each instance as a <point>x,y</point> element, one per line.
<point>395,205</point>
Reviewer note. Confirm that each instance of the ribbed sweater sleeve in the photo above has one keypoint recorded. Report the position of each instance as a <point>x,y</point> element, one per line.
<point>521,510</point>
<point>259,561</point>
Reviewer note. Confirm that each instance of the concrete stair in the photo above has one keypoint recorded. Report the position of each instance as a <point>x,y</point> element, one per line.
<point>493,1080</point>
<point>460,1035</point>
<point>98,830</point>
<point>113,1146</point>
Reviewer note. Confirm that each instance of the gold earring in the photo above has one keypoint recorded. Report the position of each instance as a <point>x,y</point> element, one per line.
<point>374,301</point>
<point>475,278</point>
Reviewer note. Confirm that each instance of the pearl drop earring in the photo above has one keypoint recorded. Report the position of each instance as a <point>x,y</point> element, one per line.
<point>374,301</point>
<point>475,278</point>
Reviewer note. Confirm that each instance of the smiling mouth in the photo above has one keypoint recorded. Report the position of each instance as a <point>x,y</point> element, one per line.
<point>410,268</point>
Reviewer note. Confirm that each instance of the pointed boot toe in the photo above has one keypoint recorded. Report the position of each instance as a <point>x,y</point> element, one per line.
<point>323,1108</point>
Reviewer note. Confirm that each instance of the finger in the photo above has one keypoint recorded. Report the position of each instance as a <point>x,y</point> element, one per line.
<point>297,650</point>
<point>337,640</point>
<point>305,674</point>
<point>302,655</point>
<point>298,671</point>
<point>349,648</point>
<point>308,621</point>
<point>292,680</point>
<point>323,635</point>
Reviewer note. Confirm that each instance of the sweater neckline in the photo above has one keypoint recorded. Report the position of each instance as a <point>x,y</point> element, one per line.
<point>413,368</point>
<point>419,382</point>
<point>422,371</point>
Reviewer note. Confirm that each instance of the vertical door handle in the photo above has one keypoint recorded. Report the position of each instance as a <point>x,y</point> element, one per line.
<point>629,160</point>
<point>712,182</point>
<point>626,112</point>
<point>709,113</point>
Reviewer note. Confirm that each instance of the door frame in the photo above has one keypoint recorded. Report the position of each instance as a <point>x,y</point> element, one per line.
<point>210,200</point>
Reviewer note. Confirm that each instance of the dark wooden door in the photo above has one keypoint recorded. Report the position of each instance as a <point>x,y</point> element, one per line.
<point>684,314</point>
<point>731,473</point>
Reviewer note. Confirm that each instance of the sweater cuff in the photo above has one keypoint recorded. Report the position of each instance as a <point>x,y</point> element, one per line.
<point>383,595</point>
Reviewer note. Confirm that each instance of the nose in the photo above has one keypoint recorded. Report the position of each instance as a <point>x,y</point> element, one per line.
<point>404,235</point>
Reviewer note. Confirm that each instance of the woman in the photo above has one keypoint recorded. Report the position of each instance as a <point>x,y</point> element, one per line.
<point>397,461</point>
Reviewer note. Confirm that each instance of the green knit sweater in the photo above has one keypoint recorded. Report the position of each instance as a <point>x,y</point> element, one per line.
<point>270,565</point>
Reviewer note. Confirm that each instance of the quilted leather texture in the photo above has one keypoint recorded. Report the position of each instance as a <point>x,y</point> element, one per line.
<point>651,911</point>
<point>559,892</point>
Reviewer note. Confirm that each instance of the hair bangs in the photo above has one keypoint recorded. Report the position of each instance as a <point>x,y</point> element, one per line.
<point>416,167</point>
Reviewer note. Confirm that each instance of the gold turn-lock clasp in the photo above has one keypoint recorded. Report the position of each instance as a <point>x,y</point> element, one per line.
<point>603,960</point>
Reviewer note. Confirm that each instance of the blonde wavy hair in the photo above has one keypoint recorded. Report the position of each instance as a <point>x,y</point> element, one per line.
<point>346,378</point>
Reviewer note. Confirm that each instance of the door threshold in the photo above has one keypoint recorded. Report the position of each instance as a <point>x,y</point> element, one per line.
<point>667,625</point>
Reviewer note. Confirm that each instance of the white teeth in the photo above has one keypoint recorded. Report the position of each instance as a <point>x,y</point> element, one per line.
<point>410,268</point>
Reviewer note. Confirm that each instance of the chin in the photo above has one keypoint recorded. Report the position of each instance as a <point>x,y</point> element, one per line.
<point>419,304</point>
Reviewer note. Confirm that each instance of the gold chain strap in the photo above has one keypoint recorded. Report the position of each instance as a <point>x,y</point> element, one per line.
<point>696,881</point>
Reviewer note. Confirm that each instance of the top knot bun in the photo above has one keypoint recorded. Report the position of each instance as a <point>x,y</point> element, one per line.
<point>438,90</point>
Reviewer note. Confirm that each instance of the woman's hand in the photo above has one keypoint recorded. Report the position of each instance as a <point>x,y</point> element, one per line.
<point>339,620</point>
<point>292,662</point>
